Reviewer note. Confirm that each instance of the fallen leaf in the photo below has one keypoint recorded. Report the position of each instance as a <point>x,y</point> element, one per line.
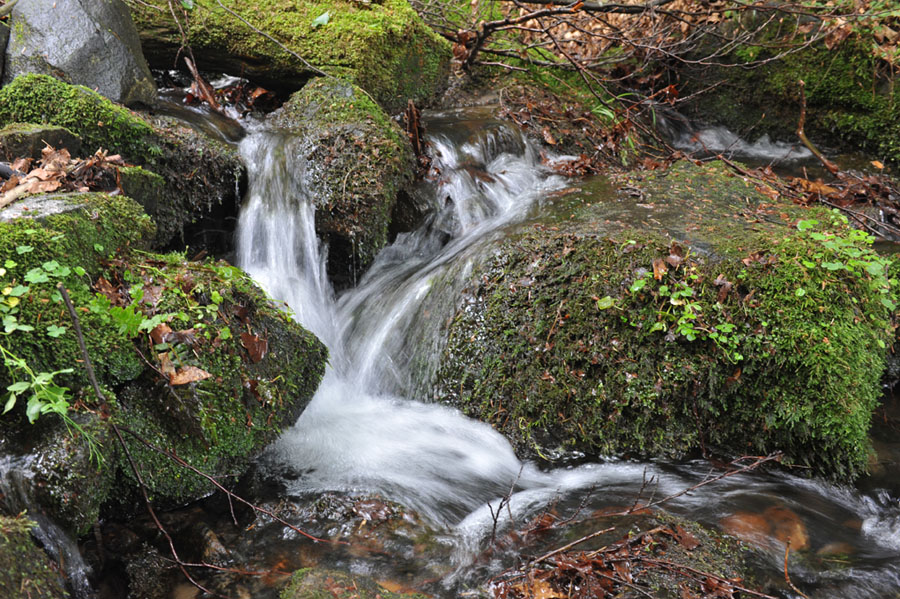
<point>165,365</point>
<point>188,374</point>
<point>659,268</point>
<point>256,346</point>
<point>686,539</point>
<point>548,137</point>
<point>878,164</point>
<point>160,333</point>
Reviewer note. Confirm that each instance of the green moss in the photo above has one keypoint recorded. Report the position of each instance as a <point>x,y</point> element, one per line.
<point>245,395</point>
<point>19,140</point>
<point>90,228</point>
<point>314,583</point>
<point>25,570</point>
<point>384,47</point>
<point>581,347</point>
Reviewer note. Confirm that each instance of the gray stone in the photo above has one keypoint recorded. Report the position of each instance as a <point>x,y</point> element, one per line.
<point>90,43</point>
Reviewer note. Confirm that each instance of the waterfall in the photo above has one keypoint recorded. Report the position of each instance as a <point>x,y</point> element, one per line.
<point>361,431</point>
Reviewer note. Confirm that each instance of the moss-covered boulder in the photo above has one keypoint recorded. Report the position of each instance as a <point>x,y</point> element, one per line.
<point>849,96</point>
<point>687,313</point>
<point>358,163</point>
<point>203,177</point>
<point>384,47</point>
<point>25,570</point>
<point>190,357</point>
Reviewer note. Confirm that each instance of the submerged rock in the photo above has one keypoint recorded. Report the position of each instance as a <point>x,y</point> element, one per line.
<point>85,43</point>
<point>312,583</point>
<point>203,177</point>
<point>384,47</point>
<point>359,163</point>
<point>717,324</point>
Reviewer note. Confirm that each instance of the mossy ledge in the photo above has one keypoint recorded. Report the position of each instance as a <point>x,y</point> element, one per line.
<point>359,163</point>
<point>25,570</point>
<point>384,47</point>
<point>203,177</point>
<point>746,335</point>
<point>254,368</point>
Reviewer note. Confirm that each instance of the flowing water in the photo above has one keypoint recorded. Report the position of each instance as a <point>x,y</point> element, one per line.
<point>366,433</point>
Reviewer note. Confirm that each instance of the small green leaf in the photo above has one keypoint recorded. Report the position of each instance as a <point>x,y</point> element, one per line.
<point>321,20</point>
<point>800,292</point>
<point>19,387</point>
<point>10,264</point>
<point>98,248</point>
<point>36,275</point>
<point>889,304</point>
<point>18,290</point>
<point>803,225</point>
<point>80,271</point>
<point>832,265</point>
<point>55,331</point>
<point>187,4</point>
<point>225,334</point>
<point>10,403</point>
<point>24,249</point>
<point>605,303</point>
<point>638,285</point>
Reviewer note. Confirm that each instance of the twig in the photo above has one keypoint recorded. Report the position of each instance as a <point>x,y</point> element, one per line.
<point>84,353</point>
<point>787,579</point>
<point>829,165</point>
<point>568,546</point>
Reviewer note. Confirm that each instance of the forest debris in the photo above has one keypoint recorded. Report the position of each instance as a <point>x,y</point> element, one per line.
<point>188,374</point>
<point>255,345</point>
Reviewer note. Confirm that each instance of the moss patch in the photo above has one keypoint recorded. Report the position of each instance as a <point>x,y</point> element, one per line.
<point>384,47</point>
<point>314,583</point>
<point>749,338</point>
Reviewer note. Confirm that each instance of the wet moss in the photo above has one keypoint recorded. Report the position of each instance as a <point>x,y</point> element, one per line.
<point>750,338</point>
<point>25,570</point>
<point>384,47</point>
<point>314,583</point>
<point>360,161</point>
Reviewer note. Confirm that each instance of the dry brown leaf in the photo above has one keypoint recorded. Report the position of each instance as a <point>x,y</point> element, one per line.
<point>659,268</point>
<point>255,345</point>
<point>160,333</point>
<point>188,374</point>
<point>165,365</point>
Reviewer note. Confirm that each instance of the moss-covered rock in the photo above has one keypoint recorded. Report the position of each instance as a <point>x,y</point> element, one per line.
<point>223,371</point>
<point>252,370</point>
<point>850,103</point>
<point>359,161</point>
<point>315,583</point>
<point>384,47</point>
<point>747,334</point>
<point>25,570</point>
<point>203,177</point>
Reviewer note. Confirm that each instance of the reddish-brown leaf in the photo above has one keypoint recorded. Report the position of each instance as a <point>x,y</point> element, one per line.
<point>255,345</point>
<point>659,268</point>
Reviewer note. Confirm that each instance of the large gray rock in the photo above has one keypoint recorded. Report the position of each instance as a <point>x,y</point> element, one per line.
<point>90,43</point>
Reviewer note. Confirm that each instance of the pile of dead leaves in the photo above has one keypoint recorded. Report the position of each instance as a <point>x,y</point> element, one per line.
<point>58,171</point>
<point>626,565</point>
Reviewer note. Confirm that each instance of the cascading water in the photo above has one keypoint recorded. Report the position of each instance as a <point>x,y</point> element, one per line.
<point>362,433</point>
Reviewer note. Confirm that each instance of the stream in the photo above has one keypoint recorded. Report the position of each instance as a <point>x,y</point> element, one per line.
<point>366,434</point>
